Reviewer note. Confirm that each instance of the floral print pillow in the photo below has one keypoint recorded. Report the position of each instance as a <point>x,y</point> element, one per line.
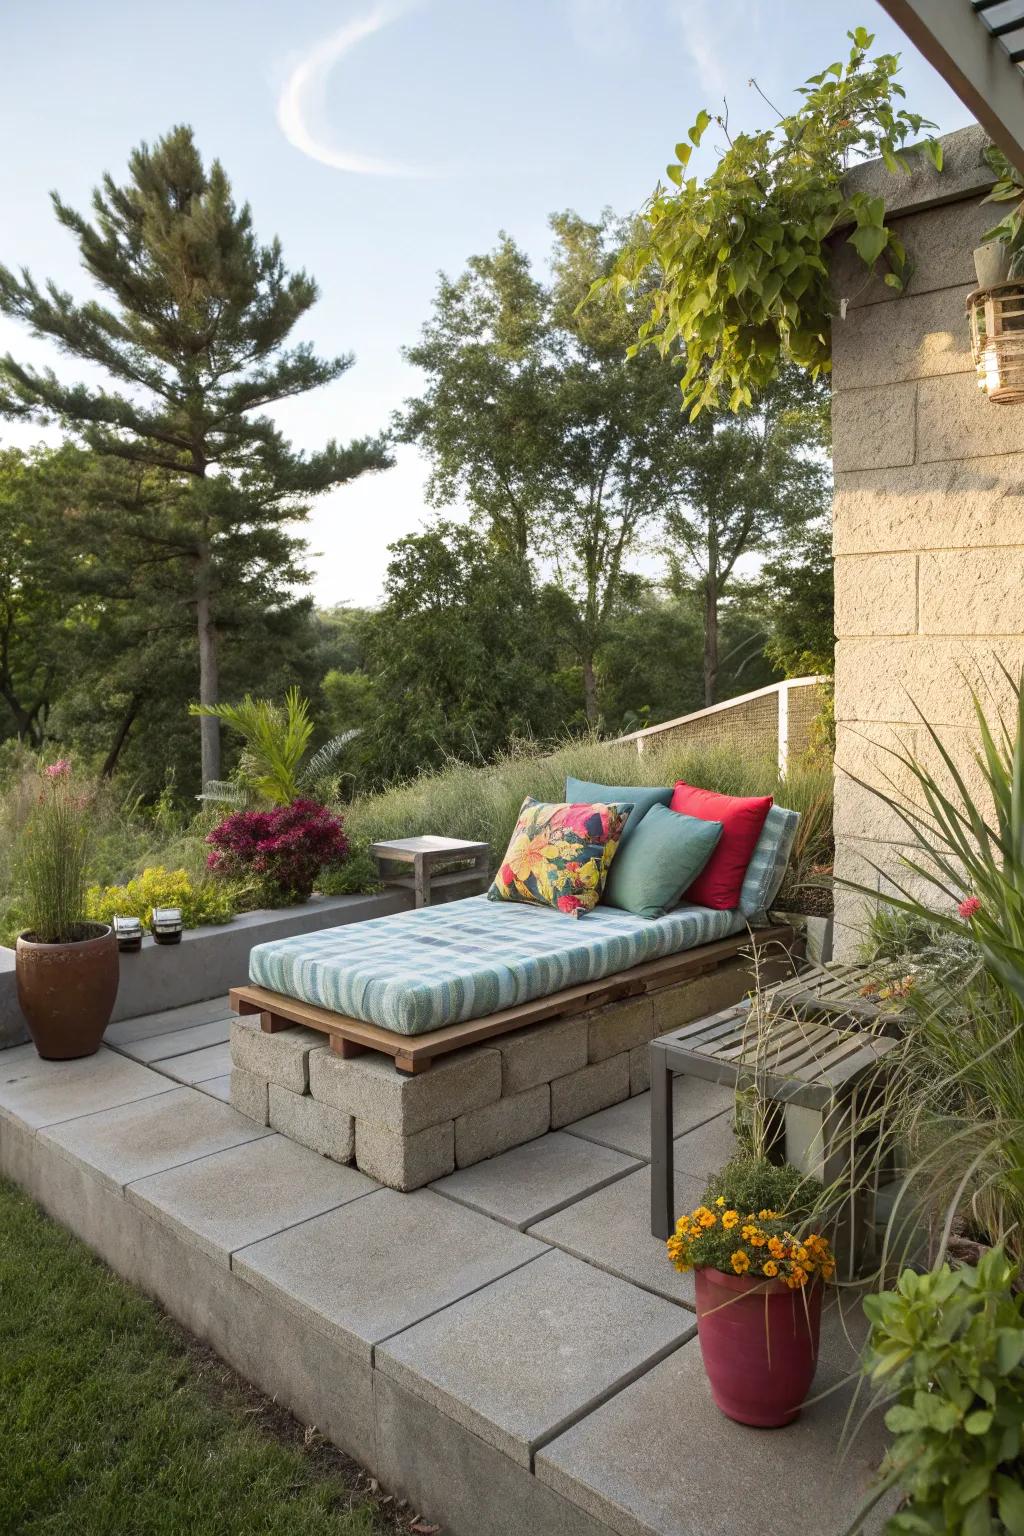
<point>559,855</point>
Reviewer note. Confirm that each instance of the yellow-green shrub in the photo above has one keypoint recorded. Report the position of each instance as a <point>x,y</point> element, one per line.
<point>203,901</point>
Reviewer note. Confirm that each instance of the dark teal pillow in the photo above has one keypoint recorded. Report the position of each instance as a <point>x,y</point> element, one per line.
<point>580,792</point>
<point>665,855</point>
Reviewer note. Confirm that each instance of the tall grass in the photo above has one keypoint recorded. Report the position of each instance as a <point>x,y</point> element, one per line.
<point>482,803</point>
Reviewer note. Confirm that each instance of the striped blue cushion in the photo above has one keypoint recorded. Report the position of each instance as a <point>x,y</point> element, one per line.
<point>768,862</point>
<point>416,971</point>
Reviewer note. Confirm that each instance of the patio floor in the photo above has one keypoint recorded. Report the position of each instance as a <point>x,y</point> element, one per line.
<point>509,1349</point>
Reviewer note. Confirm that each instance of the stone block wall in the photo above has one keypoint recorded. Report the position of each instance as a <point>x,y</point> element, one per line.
<point>928,515</point>
<point>406,1131</point>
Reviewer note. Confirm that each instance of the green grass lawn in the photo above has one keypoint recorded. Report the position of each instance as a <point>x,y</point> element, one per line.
<point>113,1422</point>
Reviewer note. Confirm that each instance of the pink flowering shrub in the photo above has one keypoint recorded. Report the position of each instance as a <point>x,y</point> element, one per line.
<point>281,851</point>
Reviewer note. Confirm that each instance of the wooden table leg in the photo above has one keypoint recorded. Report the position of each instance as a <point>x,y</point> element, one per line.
<point>662,1170</point>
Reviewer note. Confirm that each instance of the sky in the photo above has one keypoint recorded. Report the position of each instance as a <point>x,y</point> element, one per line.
<point>384,142</point>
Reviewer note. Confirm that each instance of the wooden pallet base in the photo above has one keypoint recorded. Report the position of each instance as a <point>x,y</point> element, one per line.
<point>415,1053</point>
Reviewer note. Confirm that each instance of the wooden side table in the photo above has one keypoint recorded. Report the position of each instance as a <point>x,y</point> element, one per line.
<point>425,854</point>
<point>830,1074</point>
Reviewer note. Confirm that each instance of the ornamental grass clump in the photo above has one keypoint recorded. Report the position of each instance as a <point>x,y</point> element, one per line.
<point>55,859</point>
<point>753,1221</point>
<point>277,855</point>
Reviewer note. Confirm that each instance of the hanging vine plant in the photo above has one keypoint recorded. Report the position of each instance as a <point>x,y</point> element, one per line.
<point>738,260</point>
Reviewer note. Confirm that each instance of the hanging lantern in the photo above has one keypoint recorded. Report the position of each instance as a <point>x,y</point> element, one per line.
<point>997,340</point>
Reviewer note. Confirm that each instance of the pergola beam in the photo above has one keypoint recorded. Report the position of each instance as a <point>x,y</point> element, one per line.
<point>954,38</point>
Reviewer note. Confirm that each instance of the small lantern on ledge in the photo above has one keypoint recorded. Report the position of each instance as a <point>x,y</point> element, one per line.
<point>128,932</point>
<point>997,340</point>
<point>166,925</point>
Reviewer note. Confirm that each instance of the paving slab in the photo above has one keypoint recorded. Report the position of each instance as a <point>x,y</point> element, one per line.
<point>197,1066</point>
<point>176,1042</point>
<point>703,1151</point>
<point>530,1182</point>
<point>520,1360</point>
<point>135,1140</point>
<point>381,1264</point>
<point>612,1229</point>
<point>660,1460</point>
<point>627,1126</point>
<point>217,1087</point>
<point>237,1197</point>
<point>149,1024</point>
<point>38,1092</point>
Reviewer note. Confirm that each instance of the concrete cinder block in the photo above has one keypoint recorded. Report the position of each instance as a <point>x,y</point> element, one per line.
<point>956,420</point>
<point>372,1089</point>
<point>973,592</point>
<point>515,1118</point>
<point>249,1095</point>
<point>689,1000</point>
<point>541,1052</point>
<point>874,428</point>
<point>943,505</point>
<point>282,1057</point>
<point>405,1162</point>
<point>922,336</point>
<point>880,680</point>
<point>619,1027</point>
<point>321,1127</point>
<point>639,1070</point>
<point>588,1090</point>
<point>876,594</point>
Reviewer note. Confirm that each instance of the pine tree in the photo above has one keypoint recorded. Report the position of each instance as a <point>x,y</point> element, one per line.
<point>194,339</point>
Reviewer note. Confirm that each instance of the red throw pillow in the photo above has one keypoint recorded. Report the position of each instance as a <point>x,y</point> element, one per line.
<point>742,817</point>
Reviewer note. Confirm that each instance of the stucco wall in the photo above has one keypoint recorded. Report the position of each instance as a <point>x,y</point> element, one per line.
<point>928,512</point>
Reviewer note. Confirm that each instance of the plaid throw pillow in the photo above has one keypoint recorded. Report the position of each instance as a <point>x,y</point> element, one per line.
<point>559,855</point>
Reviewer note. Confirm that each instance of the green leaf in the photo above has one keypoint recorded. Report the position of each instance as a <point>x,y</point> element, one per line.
<point>869,243</point>
<point>674,174</point>
<point>683,153</point>
<point>697,132</point>
<point>933,149</point>
<point>1010,1502</point>
<point>979,1422</point>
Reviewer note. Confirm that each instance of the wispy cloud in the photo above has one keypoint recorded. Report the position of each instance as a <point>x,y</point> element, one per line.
<point>301,106</point>
<point>709,33</point>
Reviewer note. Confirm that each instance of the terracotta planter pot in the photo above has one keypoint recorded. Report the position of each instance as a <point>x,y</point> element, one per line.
<point>67,991</point>
<point>759,1341</point>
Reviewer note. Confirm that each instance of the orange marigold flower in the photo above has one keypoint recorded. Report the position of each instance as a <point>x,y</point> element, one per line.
<point>730,1219</point>
<point>749,1233</point>
<point>705,1217</point>
<point>767,1216</point>
<point>758,1239</point>
<point>776,1247</point>
<point>720,1201</point>
<point>740,1262</point>
<point>770,1268</point>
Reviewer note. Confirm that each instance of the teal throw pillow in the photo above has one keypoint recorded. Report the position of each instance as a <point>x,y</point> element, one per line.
<point>580,792</point>
<point>663,858</point>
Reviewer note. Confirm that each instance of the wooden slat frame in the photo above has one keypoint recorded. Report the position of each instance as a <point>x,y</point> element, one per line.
<point>415,1053</point>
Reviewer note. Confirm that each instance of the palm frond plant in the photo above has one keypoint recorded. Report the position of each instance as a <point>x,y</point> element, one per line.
<point>274,767</point>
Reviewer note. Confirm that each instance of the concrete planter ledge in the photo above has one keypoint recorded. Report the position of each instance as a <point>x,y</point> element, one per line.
<point>210,960</point>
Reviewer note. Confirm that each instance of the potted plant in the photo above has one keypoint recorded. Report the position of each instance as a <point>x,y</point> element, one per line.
<point>759,1274</point>
<point>66,967</point>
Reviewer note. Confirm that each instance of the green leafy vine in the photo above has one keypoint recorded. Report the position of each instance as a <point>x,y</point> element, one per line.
<point>739,261</point>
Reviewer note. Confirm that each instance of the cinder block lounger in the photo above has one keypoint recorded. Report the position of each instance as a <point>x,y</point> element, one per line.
<point>421,983</point>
